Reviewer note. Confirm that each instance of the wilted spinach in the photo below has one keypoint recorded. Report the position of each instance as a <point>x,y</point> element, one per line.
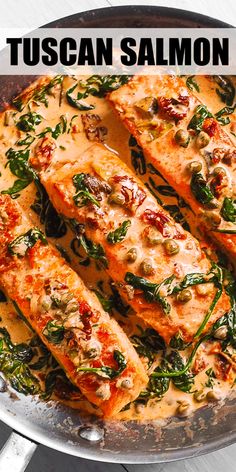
<point>105,371</point>
<point>118,235</point>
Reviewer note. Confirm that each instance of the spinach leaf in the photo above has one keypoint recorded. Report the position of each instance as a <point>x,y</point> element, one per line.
<point>54,332</point>
<point>211,376</point>
<point>28,121</point>
<point>200,189</point>
<point>77,102</point>
<point>178,343</point>
<point>224,111</point>
<point>39,94</point>
<point>151,290</point>
<point>83,195</point>
<point>59,129</point>
<point>192,84</point>
<point>185,381</point>
<point>226,91</point>
<point>197,120</point>
<point>93,250</point>
<point>148,343</point>
<point>107,303</point>
<point>138,161</point>
<point>100,85</point>
<point>119,233</point>
<point>21,244</point>
<point>157,386</point>
<point>228,210</point>
<point>105,371</point>
<point>13,364</point>
<point>54,224</point>
<point>18,164</point>
<point>26,141</point>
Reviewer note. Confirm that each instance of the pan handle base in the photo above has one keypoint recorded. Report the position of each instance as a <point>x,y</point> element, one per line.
<point>16,453</point>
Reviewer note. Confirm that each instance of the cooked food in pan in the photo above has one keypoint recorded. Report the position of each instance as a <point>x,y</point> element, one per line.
<point>187,143</point>
<point>167,345</point>
<point>92,348</point>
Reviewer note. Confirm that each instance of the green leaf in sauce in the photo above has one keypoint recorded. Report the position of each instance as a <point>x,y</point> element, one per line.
<point>19,166</point>
<point>3,297</point>
<point>59,129</point>
<point>13,363</point>
<point>221,113</point>
<point>148,343</point>
<point>192,83</point>
<point>78,101</point>
<point>21,244</point>
<point>83,196</point>
<point>200,189</point>
<point>185,381</point>
<point>28,121</point>
<point>39,95</point>
<point>119,233</point>
<point>54,224</point>
<point>100,85</point>
<point>228,210</point>
<point>226,91</point>
<point>54,332</point>
<point>197,120</point>
<point>105,371</point>
<point>93,250</point>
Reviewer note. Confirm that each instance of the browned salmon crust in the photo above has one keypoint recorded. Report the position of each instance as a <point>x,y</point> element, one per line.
<point>155,133</point>
<point>115,200</point>
<point>52,297</point>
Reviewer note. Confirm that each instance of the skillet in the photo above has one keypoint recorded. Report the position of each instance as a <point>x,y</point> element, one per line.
<point>64,429</point>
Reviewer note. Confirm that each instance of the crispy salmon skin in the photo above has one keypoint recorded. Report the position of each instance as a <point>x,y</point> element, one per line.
<point>189,147</point>
<point>158,267</point>
<point>91,347</point>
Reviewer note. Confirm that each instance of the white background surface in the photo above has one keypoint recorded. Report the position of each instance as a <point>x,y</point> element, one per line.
<point>31,14</point>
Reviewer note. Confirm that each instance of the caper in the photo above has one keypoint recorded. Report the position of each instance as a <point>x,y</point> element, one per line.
<point>219,171</point>
<point>184,296</point>
<point>147,105</point>
<point>171,247</point>
<point>199,396</point>
<point>103,392</point>
<point>46,303</point>
<point>195,167</point>
<point>213,204</point>
<point>202,139</point>
<point>132,254</point>
<point>213,396</point>
<point>154,236</point>
<point>72,307</point>
<point>221,333</point>
<point>117,198</point>
<point>139,407</point>
<point>213,218</point>
<point>183,409</point>
<point>129,291</point>
<point>126,383</point>
<point>182,138</point>
<point>203,289</point>
<point>147,267</point>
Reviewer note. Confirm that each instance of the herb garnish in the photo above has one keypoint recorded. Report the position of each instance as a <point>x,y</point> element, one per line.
<point>211,376</point>
<point>119,233</point>
<point>54,225</point>
<point>100,85</point>
<point>228,210</point>
<point>93,250</point>
<point>148,343</point>
<point>39,95</point>
<point>105,371</point>
<point>192,84</point>
<point>226,91</point>
<point>59,129</point>
<point>54,332</point>
<point>222,112</point>
<point>21,244</point>
<point>77,102</point>
<point>13,363</point>
<point>19,166</point>
<point>83,195</point>
<point>197,120</point>
<point>28,121</point>
<point>200,189</point>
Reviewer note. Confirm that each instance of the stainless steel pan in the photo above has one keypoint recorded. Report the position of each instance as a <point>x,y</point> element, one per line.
<point>64,429</point>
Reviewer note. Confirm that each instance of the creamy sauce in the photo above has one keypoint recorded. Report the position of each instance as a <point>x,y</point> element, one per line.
<point>117,140</point>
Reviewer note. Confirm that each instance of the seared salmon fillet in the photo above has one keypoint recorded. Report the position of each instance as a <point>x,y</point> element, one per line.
<point>188,146</point>
<point>158,267</point>
<point>91,347</point>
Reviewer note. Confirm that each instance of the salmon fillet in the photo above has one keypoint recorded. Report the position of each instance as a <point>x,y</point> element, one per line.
<point>154,109</point>
<point>144,251</point>
<point>91,347</point>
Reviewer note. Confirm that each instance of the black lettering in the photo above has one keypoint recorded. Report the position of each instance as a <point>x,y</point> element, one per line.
<point>130,58</point>
<point>67,45</point>
<point>31,51</point>
<point>145,55</point>
<point>180,51</point>
<point>160,61</point>
<point>104,52</point>
<point>86,54</point>
<point>14,42</point>
<point>50,58</point>
<point>201,51</point>
<point>220,51</point>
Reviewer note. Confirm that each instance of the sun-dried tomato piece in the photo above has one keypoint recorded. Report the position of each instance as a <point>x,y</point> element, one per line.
<point>43,153</point>
<point>133,194</point>
<point>163,223</point>
<point>93,132</point>
<point>174,108</point>
<point>210,126</point>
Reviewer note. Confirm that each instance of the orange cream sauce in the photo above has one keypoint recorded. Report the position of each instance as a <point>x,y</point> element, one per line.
<point>73,144</point>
